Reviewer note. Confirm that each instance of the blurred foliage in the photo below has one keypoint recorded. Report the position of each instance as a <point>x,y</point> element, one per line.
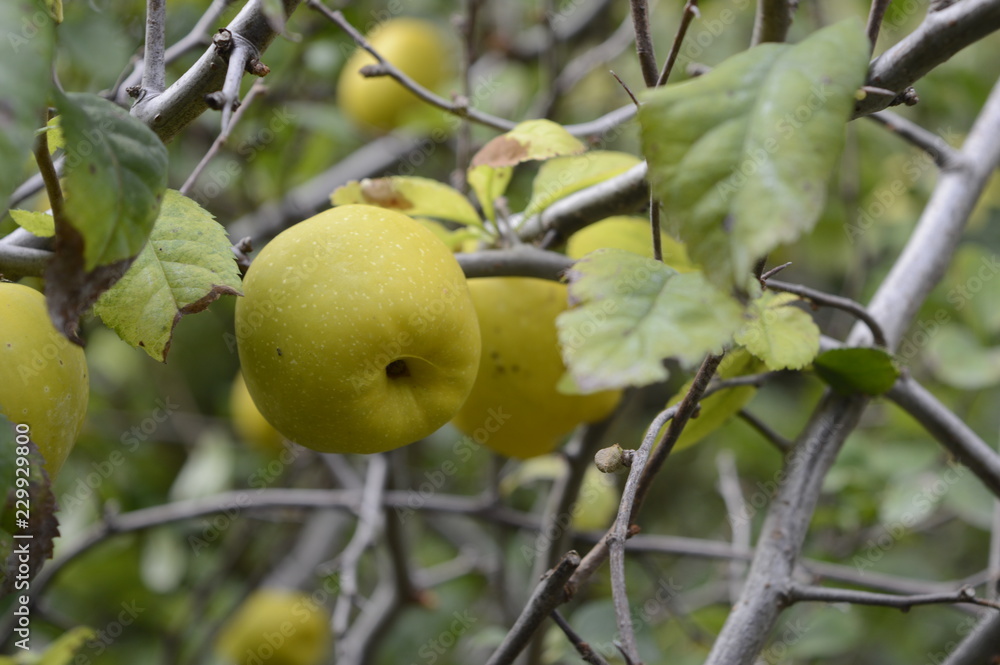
<point>892,504</point>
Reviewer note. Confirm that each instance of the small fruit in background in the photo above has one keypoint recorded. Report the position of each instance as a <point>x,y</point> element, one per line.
<point>419,49</point>
<point>278,627</point>
<point>357,333</point>
<point>43,376</point>
<point>631,234</point>
<point>250,425</point>
<point>515,408</point>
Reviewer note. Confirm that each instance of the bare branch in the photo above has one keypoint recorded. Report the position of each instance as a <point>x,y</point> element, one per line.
<point>732,496</point>
<point>830,300</point>
<point>687,15</point>
<point>949,430</point>
<point>644,42</point>
<point>585,650</point>
<point>875,16</point>
<point>798,593</point>
<point>928,252</point>
<point>981,645</point>
<point>549,594</point>
<point>154,70</point>
<point>173,110</point>
<point>522,261</point>
<point>941,35</point>
<point>774,18</point>
<point>944,155</point>
<point>765,430</point>
<point>369,520</point>
<point>220,140</point>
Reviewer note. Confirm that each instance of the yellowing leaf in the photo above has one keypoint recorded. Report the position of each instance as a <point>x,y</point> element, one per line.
<point>741,156</point>
<point>631,313</point>
<point>186,265</point>
<point>561,176</point>
<point>37,223</point>
<point>532,139</point>
<point>784,337</point>
<point>719,408</point>
<point>410,195</point>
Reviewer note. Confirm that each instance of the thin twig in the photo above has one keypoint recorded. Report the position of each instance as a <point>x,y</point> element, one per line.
<point>875,16</point>
<point>688,15</point>
<point>256,89</point>
<point>796,593</point>
<point>50,177</point>
<point>549,594</point>
<point>944,155</point>
<point>644,41</point>
<point>586,651</point>
<point>369,519</point>
<point>837,302</point>
<point>154,69</point>
<point>765,430</point>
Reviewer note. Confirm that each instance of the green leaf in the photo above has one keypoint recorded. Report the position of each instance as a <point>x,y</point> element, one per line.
<point>784,337</point>
<point>40,224</point>
<point>631,313</point>
<point>561,176</point>
<point>25,79</point>
<point>413,196</point>
<point>489,184</point>
<point>116,173</point>
<point>957,357</point>
<point>741,156</point>
<point>719,408</point>
<point>851,371</point>
<point>187,264</point>
<point>532,139</point>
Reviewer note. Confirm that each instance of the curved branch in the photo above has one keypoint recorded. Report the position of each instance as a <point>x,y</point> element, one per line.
<point>523,261</point>
<point>799,593</point>
<point>941,35</point>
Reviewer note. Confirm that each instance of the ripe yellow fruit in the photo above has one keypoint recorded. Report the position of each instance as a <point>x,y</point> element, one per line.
<point>278,627</point>
<point>250,425</point>
<point>418,48</point>
<point>356,333</point>
<point>628,233</point>
<point>514,407</point>
<point>43,376</point>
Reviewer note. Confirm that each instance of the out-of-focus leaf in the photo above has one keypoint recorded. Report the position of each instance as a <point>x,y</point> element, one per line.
<point>411,195</point>
<point>186,266</point>
<point>25,80</point>
<point>741,156</point>
<point>38,223</point>
<point>629,313</point>
<point>63,651</point>
<point>784,337</point>
<point>718,409</point>
<point>561,176</point>
<point>957,357</point>
<point>852,371</point>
